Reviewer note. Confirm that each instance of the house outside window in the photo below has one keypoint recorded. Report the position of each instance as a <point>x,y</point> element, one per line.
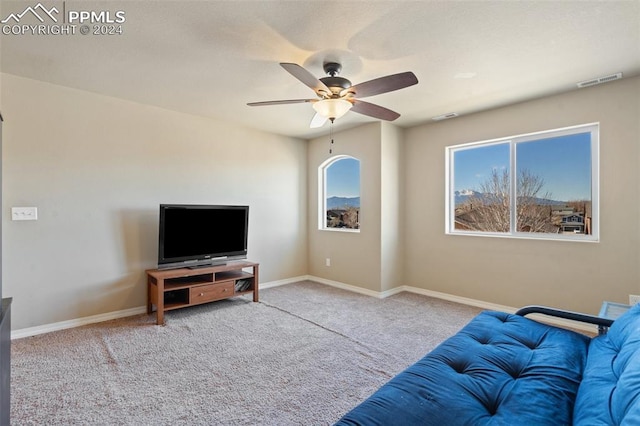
<point>339,191</point>
<point>538,185</point>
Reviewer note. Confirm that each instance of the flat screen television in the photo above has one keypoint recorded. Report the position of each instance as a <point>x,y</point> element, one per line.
<point>193,235</point>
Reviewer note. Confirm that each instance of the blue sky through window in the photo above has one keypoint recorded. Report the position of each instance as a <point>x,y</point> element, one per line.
<point>474,166</point>
<point>563,162</point>
<point>343,178</point>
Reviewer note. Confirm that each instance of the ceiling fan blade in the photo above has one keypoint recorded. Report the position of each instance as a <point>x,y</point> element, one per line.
<point>306,77</point>
<point>283,102</point>
<point>317,121</point>
<point>373,110</point>
<point>385,84</point>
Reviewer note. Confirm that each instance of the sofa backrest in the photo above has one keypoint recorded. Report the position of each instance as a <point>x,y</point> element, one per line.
<point>609,393</point>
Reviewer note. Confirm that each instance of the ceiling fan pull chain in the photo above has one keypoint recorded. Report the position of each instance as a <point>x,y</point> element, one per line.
<point>331,136</point>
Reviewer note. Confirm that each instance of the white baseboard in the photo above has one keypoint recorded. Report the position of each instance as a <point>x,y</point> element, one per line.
<point>560,322</point>
<point>459,299</point>
<point>348,287</point>
<point>62,325</point>
<point>47,328</point>
<point>283,282</point>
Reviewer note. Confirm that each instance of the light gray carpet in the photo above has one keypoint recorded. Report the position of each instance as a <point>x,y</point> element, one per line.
<point>304,355</point>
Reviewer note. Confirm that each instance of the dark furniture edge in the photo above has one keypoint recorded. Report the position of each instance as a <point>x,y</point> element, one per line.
<point>574,316</point>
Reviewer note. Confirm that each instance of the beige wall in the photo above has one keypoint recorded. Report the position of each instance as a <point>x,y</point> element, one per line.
<point>570,275</point>
<point>355,257</point>
<point>372,258</point>
<point>97,168</point>
<point>391,184</point>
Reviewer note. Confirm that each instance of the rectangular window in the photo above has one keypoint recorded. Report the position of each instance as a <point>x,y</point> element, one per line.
<point>538,185</point>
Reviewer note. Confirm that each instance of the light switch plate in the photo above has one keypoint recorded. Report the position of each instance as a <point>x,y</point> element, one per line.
<point>24,213</point>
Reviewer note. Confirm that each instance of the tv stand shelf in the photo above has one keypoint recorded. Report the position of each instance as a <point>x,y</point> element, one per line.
<point>169,289</point>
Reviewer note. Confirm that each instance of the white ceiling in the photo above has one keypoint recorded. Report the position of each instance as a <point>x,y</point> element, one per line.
<point>210,58</point>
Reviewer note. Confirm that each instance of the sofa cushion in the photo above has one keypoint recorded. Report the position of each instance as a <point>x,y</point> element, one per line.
<point>500,369</point>
<point>610,390</point>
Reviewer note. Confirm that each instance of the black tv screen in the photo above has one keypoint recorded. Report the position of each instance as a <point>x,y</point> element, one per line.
<point>199,235</point>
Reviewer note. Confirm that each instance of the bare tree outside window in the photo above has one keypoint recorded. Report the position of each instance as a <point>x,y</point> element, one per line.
<point>492,212</point>
<point>532,205</point>
<point>488,210</point>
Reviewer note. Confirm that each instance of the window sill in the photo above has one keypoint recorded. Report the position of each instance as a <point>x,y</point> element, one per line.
<point>527,236</point>
<point>346,230</point>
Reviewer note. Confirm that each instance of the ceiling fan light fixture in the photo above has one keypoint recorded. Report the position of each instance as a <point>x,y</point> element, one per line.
<point>332,108</point>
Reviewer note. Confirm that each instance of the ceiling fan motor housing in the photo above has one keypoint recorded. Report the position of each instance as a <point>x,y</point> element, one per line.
<point>336,84</point>
<point>333,82</point>
<point>332,68</point>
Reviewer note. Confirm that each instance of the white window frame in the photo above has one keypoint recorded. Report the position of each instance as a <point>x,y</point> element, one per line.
<point>322,194</point>
<point>513,141</point>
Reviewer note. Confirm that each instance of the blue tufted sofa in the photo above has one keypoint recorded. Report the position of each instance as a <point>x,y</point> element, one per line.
<point>505,369</point>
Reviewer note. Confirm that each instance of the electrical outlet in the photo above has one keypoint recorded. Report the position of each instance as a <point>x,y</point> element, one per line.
<point>24,213</point>
<point>327,261</point>
<point>634,299</point>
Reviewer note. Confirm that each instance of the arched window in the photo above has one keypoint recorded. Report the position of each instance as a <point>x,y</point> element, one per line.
<point>339,193</point>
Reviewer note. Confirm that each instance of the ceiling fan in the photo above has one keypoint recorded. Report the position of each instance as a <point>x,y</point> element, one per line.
<point>336,95</point>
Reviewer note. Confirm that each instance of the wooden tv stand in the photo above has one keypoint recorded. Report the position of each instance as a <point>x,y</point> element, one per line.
<point>169,289</point>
